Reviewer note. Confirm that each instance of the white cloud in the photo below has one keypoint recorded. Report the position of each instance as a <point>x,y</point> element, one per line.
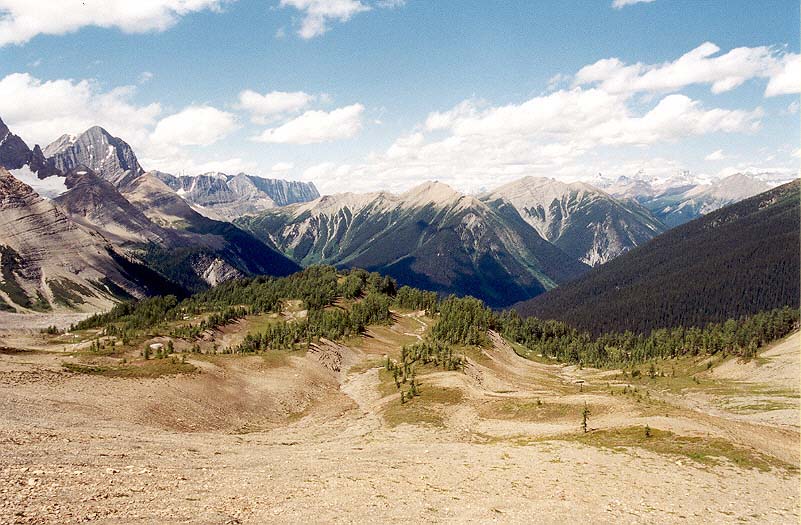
<point>620,4</point>
<point>145,77</point>
<point>194,126</point>
<point>715,155</point>
<point>558,134</point>
<point>263,108</point>
<point>41,111</point>
<point>185,165</point>
<point>390,4</point>
<point>318,13</point>
<point>280,167</point>
<point>699,66</point>
<point>786,79</point>
<point>22,20</point>
<point>591,117</point>
<point>316,126</point>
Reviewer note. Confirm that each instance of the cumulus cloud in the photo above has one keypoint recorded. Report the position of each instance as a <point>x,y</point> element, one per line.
<point>194,126</point>
<point>313,127</point>
<point>554,134</point>
<point>263,108</point>
<point>41,111</point>
<point>786,77</point>
<point>318,13</point>
<point>715,155</point>
<point>592,117</point>
<point>22,20</point>
<point>620,4</point>
<point>702,65</point>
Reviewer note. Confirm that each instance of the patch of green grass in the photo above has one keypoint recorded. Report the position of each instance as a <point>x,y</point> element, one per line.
<point>275,358</point>
<point>412,413</point>
<point>260,323</point>
<point>766,405</point>
<point>367,364</point>
<point>138,370</point>
<point>386,384</point>
<point>529,354</point>
<point>707,451</point>
<point>439,395</point>
<point>425,409</point>
<point>529,410</point>
<point>474,353</point>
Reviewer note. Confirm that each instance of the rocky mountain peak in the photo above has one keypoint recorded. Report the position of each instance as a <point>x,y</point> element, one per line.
<point>218,195</point>
<point>431,192</point>
<point>108,156</point>
<point>14,153</point>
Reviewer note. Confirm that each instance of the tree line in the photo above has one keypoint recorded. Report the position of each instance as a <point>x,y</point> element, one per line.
<point>461,321</point>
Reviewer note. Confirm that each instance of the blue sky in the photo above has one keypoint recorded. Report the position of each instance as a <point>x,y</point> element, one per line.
<point>384,94</point>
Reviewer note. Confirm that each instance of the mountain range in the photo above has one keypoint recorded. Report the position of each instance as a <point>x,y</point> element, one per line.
<point>585,222</point>
<point>228,197</point>
<point>190,232</point>
<point>680,199</point>
<point>735,261</point>
<point>431,237</point>
<point>145,238</point>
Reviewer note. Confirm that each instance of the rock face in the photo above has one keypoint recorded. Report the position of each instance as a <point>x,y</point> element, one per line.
<point>110,193</point>
<point>677,200</point>
<point>96,204</point>
<point>232,196</point>
<point>14,153</point>
<point>583,221</point>
<point>198,251</point>
<point>679,206</point>
<point>146,228</point>
<point>431,236</point>
<point>110,157</point>
<point>49,262</point>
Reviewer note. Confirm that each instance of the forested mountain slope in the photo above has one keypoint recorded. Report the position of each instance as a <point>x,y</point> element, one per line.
<point>738,260</point>
<point>431,237</point>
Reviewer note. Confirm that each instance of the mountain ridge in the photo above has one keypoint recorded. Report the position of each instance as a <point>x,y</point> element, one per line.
<point>582,220</point>
<point>737,260</point>
<point>429,236</point>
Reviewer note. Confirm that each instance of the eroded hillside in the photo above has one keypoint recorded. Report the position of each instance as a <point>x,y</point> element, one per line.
<point>203,428</point>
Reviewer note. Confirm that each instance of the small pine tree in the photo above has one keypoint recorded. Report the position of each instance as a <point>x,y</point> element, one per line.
<point>647,431</point>
<point>585,415</point>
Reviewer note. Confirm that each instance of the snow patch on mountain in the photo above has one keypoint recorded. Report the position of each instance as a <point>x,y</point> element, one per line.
<point>49,188</point>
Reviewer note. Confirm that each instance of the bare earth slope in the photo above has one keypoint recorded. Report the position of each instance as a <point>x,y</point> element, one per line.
<point>320,437</point>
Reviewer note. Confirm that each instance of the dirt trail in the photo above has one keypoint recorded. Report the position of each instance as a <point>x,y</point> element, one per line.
<point>304,438</point>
